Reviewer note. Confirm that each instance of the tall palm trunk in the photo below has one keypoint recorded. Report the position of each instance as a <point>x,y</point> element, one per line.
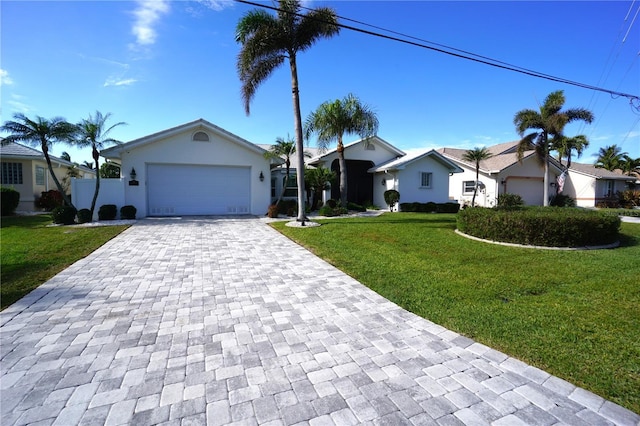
<point>342,163</point>
<point>65,197</point>
<point>298,129</point>
<point>96,157</point>
<point>545,180</point>
<point>475,187</point>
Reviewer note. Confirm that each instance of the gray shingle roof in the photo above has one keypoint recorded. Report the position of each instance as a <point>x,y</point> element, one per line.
<point>18,150</point>
<point>598,173</point>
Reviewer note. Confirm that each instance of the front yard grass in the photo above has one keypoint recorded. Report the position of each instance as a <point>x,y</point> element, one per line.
<point>32,252</point>
<point>574,314</point>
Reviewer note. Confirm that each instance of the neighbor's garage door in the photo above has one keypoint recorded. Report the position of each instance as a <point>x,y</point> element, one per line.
<point>198,190</point>
<point>529,189</point>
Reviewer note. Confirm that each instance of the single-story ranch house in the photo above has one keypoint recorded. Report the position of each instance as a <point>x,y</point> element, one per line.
<point>25,170</point>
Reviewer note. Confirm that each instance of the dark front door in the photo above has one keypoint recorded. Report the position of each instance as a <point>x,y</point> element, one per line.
<point>359,182</point>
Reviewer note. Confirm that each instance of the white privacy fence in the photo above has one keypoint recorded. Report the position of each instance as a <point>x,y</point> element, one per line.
<point>111,192</point>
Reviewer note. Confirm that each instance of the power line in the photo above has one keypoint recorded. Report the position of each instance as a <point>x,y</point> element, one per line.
<point>634,100</point>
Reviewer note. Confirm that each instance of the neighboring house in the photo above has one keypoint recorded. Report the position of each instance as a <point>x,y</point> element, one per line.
<point>196,168</point>
<point>590,185</point>
<point>279,172</point>
<point>374,166</point>
<point>25,170</point>
<point>499,174</point>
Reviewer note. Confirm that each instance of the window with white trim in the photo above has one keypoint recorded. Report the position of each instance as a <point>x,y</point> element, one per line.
<point>12,173</point>
<point>468,186</point>
<point>39,175</point>
<point>425,179</point>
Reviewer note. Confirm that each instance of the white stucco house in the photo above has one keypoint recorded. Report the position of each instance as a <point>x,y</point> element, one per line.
<point>196,168</point>
<point>589,185</point>
<point>374,166</point>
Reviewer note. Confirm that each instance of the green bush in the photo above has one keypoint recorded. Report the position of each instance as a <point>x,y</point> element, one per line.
<point>430,207</point>
<point>84,216</point>
<point>356,207</point>
<point>509,201</point>
<point>107,212</point>
<point>541,226</point>
<point>64,215</point>
<point>629,198</point>
<point>332,203</point>
<point>51,199</point>
<point>562,200</point>
<point>326,210</point>
<point>9,200</point>
<point>391,197</point>
<point>288,207</point>
<point>128,212</point>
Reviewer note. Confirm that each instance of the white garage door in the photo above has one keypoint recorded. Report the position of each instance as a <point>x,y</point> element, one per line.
<point>529,189</point>
<point>198,190</point>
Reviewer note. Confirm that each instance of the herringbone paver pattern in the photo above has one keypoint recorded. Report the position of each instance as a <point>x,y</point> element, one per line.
<point>211,321</point>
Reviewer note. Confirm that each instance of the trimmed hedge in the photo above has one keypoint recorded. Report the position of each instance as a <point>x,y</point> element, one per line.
<point>84,216</point>
<point>9,200</point>
<point>107,212</point>
<point>128,212</point>
<point>65,215</point>
<point>430,207</point>
<point>541,226</point>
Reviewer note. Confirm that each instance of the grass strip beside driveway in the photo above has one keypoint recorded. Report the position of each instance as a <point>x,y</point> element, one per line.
<point>574,314</point>
<point>32,252</point>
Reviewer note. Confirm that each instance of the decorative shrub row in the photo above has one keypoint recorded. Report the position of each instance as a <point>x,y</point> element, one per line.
<point>329,211</point>
<point>430,207</point>
<point>9,200</point>
<point>541,226</point>
<point>128,212</point>
<point>64,215</point>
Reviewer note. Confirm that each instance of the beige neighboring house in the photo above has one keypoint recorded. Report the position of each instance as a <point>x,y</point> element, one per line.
<point>25,170</point>
<point>590,185</point>
<point>502,173</point>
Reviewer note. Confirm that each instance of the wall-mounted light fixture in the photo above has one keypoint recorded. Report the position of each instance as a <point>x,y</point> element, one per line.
<point>133,174</point>
<point>261,177</point>
<point>503,181</point>
<point>384,182</point>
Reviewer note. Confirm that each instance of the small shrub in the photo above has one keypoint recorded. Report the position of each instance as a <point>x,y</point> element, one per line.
<point>356,207</point>
<point>10,198</point>
<point>326,210</point>
<point>272,211</point>
<point>107,212</point>
<point>391,197</point>
<point>629,198</point>
<point>508,201</point>
<point>84,216</point>
<point>64,215</point>
<point>430,207</point>
<point>51,199</point>
<point>288,207</point>
<point>562,200</point>
<point>448,207</point>
<point>128,212</point>
<point>541,226</point>
<point>332,203</point>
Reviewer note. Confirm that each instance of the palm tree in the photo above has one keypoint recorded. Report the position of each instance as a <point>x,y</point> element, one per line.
<point>332,120</point>
<point>548,121</point>
<point>65,156</point>
<point>268,40</point>
<point>610,157</point>
<point>284,148</point>
<point>476,155</point>
<point>42,132</point>
<point>317,181</point>
<point>565,145</point>
<point>93,132</point>
<point>88,164</point>
<point>630,166</point>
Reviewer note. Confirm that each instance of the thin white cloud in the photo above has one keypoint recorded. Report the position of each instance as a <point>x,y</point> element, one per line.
<point>216,5</point>
<point>112,81</point>
<point>5,80</point>
<point>147,15</point>
<point>18,105</point>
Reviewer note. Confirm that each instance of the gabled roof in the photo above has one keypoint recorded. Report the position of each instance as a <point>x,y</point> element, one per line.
<point>402,162</point>
<point>375,138</point>
<point>115,151</point>
<point>505,155</point>
<point>18,151</point>
<point>598,172</point>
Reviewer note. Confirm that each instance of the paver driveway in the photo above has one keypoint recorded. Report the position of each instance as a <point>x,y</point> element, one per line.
<point>215,321</point>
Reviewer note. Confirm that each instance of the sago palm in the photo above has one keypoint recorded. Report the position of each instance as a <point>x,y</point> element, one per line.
<point>93,132</point>
<point>475,156</point>
<point>547,123</point>
<point>40,132</point>
<point>267,41</point>
<point>332,120</point>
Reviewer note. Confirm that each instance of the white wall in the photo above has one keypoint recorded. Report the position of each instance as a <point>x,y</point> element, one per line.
<point>180,149</point>
<point>485,197</point>
<point>587,191</point>
<point>409,180</point>
<point>111,192</point>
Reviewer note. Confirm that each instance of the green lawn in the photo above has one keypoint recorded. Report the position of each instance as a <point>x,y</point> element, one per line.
<point>32,252</point>
<point>575,314</point>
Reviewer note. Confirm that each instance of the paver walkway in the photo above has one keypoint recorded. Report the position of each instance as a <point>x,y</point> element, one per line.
<point>216,321</point>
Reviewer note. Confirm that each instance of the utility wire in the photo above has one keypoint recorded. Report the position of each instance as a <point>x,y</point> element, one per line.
<point>634,100</point>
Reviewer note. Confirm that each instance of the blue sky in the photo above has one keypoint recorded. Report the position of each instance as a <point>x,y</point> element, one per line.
<point>160,64</point>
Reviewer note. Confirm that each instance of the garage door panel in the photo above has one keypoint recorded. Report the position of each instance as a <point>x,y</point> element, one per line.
<point>198,190</point>
<point>531,190</point>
